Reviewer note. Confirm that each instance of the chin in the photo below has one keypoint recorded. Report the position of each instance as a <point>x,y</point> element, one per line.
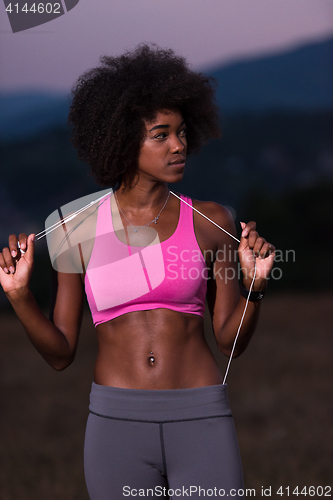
<point>173,179</point>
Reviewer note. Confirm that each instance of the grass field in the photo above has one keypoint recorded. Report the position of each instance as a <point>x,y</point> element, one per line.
<point>280,392</point>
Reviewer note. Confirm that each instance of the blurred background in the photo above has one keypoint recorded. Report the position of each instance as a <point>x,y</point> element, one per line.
<point>273,61</point>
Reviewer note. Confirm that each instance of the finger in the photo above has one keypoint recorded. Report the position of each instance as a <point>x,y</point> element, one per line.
<point>243,240</point>
<point>264,251</point>
<point>267,250</point>
<point>23,241</point>
<point>250,226</point>
<point>29,254</point>
<point>20,252</point>
<point>3,264</point>
<point>12,243</point>
<point>242,243</point>
<point>258,244</point>
<point>8,259</point>
<point>252,238</point>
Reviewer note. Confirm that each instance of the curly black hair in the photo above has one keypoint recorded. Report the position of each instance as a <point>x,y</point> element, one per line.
<point>110,103</point>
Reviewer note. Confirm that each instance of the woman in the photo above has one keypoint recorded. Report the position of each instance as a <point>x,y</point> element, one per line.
<point>159,423</point>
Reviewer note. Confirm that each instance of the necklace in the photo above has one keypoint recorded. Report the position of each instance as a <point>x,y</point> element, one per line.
<point>154,220</point>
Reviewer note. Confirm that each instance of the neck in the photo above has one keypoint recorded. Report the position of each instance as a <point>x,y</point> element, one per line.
<point>145,196</point>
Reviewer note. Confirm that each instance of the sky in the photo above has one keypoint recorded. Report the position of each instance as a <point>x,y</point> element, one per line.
<point>207,32</point>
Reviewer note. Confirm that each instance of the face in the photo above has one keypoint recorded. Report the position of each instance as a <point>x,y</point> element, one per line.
<point>163,153</point>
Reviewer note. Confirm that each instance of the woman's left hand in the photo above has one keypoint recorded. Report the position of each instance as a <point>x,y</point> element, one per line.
<point>253,248</point>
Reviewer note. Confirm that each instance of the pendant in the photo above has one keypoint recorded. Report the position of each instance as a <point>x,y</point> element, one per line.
<point>151,359</point>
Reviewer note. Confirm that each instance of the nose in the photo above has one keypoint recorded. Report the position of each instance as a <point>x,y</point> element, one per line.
<point>178,144</point>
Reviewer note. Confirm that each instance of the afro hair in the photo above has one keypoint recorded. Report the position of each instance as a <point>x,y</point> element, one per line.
<point>110,104</point>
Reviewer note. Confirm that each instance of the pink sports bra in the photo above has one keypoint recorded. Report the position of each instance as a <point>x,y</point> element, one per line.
<point>122,278</point>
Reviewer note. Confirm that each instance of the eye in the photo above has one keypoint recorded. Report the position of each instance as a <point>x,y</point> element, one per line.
<point>162,135</point>
<point>183,132</point>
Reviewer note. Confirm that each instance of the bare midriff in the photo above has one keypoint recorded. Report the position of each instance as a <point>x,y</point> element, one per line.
<point>155,349</point>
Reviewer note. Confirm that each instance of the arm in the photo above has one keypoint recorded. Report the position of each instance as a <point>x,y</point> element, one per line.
<point>225,303</point>
<point>56,341</point>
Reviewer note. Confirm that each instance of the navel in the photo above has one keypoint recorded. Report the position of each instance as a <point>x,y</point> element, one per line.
<point>151,359</point>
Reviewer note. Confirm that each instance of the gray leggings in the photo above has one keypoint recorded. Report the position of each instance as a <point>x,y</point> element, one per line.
<point>161,444</point>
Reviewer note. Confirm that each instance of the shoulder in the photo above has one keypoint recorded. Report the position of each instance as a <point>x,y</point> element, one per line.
<point>216,213</point>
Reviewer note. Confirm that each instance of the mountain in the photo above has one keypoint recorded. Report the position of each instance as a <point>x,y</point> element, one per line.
<point>300,79</point>
<point>295,80</point>
<point>22,115</point>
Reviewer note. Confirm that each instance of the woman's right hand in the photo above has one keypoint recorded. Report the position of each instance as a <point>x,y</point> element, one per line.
<point>16,266</point>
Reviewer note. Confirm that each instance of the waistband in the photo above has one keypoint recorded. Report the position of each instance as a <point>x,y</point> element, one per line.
<point>160,405</point>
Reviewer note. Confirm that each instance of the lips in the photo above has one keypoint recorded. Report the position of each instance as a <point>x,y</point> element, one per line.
<point>179,162</point>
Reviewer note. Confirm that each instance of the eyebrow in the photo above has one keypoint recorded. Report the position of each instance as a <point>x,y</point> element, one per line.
<point>164,126</point>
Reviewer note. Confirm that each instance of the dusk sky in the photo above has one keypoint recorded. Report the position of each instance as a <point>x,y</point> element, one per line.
<point>207,32</point>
